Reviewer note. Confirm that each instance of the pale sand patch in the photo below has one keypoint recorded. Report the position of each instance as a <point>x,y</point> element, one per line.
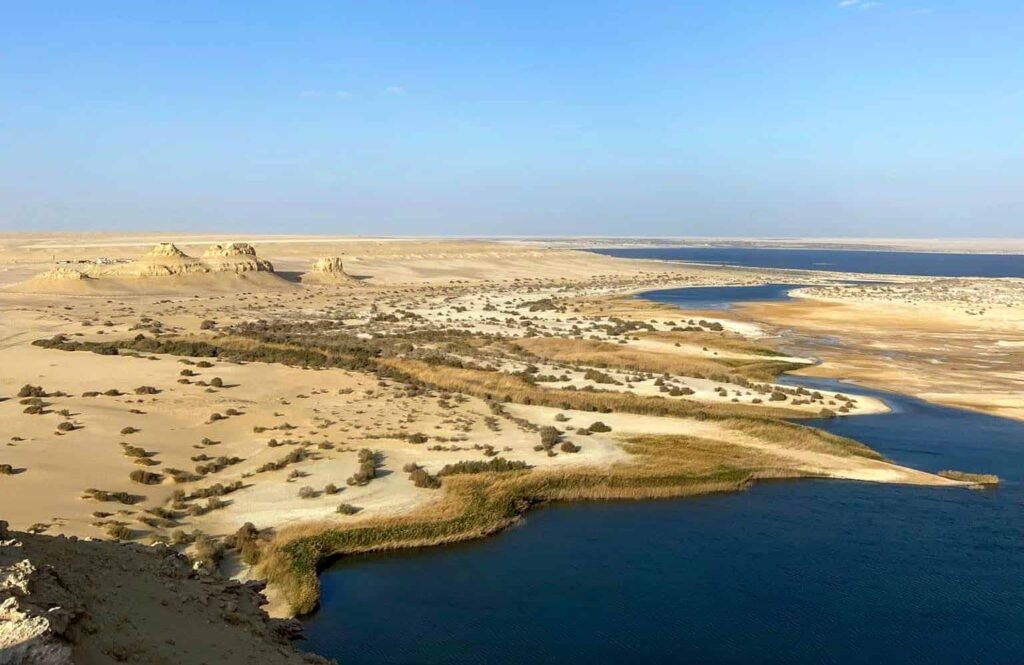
<point>817,463</point>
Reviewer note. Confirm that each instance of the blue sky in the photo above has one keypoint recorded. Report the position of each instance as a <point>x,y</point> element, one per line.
<point>716,117</point>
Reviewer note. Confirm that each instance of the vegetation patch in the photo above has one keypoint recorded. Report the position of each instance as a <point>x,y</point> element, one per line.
<point>965,477</point>
<point>478,503</point>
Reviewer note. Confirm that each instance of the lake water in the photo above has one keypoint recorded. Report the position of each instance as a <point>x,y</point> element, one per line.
<point>798,571</point>
<point>855,261</point>
<point>721,297</point>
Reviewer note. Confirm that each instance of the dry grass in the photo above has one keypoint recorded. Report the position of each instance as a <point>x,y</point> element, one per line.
<point>610,355</point>
<point>800,437</point>
<point>627,307</point>
<point>506,387</point>
<point>719,341</point>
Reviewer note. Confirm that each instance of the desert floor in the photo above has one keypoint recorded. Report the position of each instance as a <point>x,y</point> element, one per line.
<point>431,353</point>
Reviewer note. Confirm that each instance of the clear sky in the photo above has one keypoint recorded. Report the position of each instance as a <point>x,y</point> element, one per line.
<point>691,117</point>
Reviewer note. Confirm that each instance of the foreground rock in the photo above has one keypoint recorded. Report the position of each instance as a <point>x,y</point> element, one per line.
<point>64,600</point>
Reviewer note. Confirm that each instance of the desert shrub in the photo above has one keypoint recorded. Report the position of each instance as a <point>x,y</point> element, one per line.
<point>549,436</point>
<point>208,324</point>
<point>599,426</point>
<point>119,531</point>
<point>347,509</point>
<point>187,372</point>
<point>599,377</point>
<point>217,382</point>
<point>217,489</point>
<point>410,467</point>
<point>179,476</point>
<point>146,390</point>
<point>297,455</point>
<point>247,542</point>
<point>206,550</point>
<point>331,488</point>
<point>420,478</point>
<point>495,465</point>
<point>119,497</point>
<point>6,470</point>
<point>205,364</point>
<point>66,427</point>
<point>28,390</point>
<point>128,430</point>
<point>145,477</point>
<point>569,447</point>
<point>214,417</point>
<point>307,492</point>
<point>418,437</point>
<point>217,464</point>
<point>33,410</point>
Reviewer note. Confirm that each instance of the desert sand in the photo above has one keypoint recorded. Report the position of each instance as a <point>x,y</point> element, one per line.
<point>174,390</point>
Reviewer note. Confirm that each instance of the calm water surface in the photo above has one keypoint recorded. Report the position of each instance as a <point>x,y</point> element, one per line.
<point>857,261</point>
<point>802,571</point>
<point>721,297</point>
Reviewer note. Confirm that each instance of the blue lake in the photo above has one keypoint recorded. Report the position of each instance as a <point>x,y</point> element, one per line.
<point>720,297</point>
<point>794,572</point>
<point>855,261</point>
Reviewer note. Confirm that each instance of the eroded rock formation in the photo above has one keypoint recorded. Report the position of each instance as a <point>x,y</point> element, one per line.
<point>235,257</point>
<point>328,269</point>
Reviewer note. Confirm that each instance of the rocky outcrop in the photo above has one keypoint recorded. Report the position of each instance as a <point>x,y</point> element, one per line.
<point>164,260</point>
<point>235,257</point>
<point>65,600</point>
<point>62,273</point>
<point>167,250</point>
<point>36,610</point>
<point>328,269</point>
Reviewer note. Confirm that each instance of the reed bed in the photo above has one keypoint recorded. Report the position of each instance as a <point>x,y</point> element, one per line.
<point>478,505</point>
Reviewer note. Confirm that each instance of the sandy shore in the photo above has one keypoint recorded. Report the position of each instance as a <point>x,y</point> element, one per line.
<point>953,342</point>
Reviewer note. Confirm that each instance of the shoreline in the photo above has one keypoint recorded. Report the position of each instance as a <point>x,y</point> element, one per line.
<point>252,416</point>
